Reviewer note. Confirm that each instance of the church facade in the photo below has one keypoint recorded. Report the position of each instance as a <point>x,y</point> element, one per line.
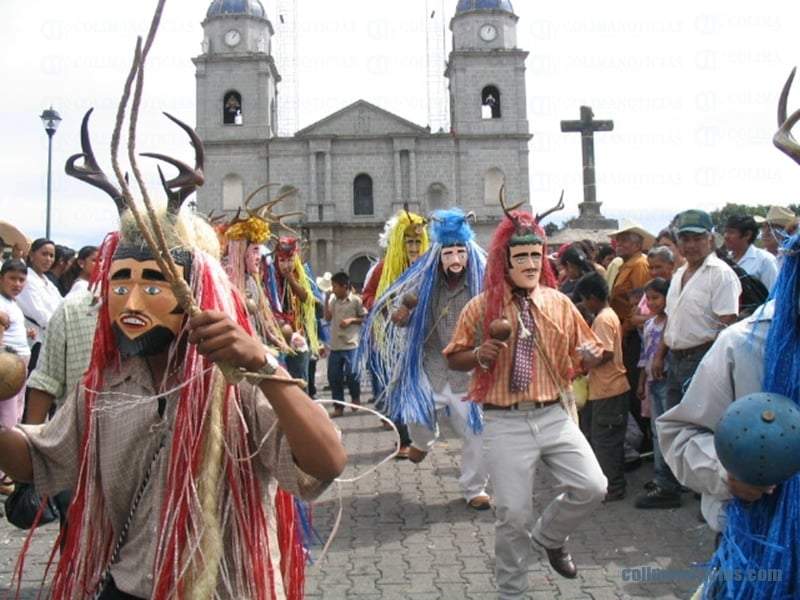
<point>358,166</point>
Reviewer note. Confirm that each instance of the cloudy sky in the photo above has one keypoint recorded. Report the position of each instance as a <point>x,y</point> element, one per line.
<point>691,86</point>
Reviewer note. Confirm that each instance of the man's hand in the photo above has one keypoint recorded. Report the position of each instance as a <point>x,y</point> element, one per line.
<point>31,333</point>
<point>591,354</point>
<point>489,351</point>
<point>221,340</point>
<point>745,491</point>
<point>657,368</point>
<point>5,321</point>
<point>400,316</point>
<point>640,389</point>
<point>346,322</point>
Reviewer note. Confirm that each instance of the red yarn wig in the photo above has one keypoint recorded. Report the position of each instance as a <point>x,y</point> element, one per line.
<point>496,280</point>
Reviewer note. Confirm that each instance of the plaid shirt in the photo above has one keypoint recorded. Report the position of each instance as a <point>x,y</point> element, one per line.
<point>67,347</point>
<point>446,306</point>
<point>560,329</point>
<point>128,437</point>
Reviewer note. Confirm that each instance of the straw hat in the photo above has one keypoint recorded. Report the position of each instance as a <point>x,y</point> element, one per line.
<point>324,282</point>
<point>778,215</point>
<point>632,227</point>
<point>11,236</point>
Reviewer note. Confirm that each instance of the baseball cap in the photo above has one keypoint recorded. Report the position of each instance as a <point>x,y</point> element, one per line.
<point>694,221</point>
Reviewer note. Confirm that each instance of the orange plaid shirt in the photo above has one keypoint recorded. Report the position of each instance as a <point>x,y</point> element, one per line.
<point>560,329</point>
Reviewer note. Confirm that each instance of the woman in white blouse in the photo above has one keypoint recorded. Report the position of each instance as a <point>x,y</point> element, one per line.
<point>40,298</point>
<point>76,279</point>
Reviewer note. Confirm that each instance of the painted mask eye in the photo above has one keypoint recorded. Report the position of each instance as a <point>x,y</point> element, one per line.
<point>120,290</point>
<point>152,290</point>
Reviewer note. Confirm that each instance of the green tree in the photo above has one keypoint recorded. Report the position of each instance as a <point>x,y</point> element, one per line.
<point>550,229</point>
<point>721,215</point>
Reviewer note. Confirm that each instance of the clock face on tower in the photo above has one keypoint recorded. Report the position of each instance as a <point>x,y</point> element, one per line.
<point>488,32</point>
<point>233,37</point>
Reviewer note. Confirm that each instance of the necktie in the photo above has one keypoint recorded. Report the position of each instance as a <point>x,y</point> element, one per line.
<point>522,369</point>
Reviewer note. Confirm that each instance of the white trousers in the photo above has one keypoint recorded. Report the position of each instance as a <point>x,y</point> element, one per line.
<point>474,474</point>
<point>514,442</point>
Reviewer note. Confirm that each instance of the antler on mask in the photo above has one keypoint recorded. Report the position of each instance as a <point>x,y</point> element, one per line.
<point>91,172</point>
<point>508,209</point>
<point>559,206</point>
<point>188,179</point>
<point>783,138</point>
<point>266,212</point>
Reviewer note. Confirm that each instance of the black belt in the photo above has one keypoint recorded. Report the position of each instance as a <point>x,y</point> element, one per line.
<point>686,352</point>
<point>522,405</point>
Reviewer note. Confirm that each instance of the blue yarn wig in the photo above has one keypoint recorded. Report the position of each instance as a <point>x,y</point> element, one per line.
<point>394,353</point>
<point>451,228</point>
<point>762,538</point>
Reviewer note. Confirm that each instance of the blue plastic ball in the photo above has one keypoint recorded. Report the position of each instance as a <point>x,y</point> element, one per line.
<point>758,439</point>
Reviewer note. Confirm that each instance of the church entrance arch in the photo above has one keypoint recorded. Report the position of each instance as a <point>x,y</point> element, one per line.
<point>358,269</point>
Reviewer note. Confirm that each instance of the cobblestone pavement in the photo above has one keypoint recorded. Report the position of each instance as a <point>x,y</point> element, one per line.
<point>407,533</point>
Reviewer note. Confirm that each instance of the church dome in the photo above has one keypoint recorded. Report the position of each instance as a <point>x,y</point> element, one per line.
<point>251,8</point>
<point>470,5</point>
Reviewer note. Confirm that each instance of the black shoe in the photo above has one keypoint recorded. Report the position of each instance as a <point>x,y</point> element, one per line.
<point>560,560</point>
<point>659,498</point>
<point>614,496</point>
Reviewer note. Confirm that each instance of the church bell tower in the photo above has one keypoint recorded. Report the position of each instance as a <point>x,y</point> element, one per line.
<point>236,81</point>
<point>486,70</point>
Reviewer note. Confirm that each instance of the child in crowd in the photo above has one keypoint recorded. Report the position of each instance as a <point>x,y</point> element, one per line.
<point>604,418</point>
<point>664,490</point>
<point>345,314</point>
<point>13,335</point>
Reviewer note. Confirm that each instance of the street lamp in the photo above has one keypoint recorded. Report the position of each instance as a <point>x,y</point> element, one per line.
<point>50,119</point>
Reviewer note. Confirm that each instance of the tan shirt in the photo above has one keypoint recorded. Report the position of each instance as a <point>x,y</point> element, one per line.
<point>560,329</point>
<point>609,379</point>
<point>345,338</point>
<point>128,437</point>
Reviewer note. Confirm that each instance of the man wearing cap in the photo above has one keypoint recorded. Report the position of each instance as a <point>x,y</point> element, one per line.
<point>703,299</point>
<point>741,232</point>
<point>779,224</point>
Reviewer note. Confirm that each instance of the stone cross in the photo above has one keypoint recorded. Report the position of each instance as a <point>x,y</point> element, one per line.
<point>587,126</point>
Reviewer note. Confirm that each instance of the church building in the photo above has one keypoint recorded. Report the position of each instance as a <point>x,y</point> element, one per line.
<point>358,166</point>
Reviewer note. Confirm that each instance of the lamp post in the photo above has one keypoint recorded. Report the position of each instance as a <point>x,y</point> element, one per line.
<point>50,119</point>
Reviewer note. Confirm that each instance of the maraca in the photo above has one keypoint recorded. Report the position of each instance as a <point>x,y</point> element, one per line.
<point>12,374</point>
<point>402,313</point>
<point>500,329</point>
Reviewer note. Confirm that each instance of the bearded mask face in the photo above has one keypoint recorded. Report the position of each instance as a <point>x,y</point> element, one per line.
<point>454,260</point>
<point>525,265</point>
<point>144,312</point>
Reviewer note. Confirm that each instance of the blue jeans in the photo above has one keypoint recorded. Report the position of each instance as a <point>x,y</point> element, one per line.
<point>297,365</point>
<point>657,392</point>
<point>341,367</point>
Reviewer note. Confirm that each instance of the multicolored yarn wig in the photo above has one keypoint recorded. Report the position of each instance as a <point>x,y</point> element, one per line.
<point>88,543</point>
<point>395,261</point>
<point>762,537</point>
<point>523,229</point>
<point>301,315</point>
<point>397,354</point>
<point>239,235</point>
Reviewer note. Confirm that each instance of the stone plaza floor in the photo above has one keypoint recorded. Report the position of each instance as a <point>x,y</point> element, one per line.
<point>406,533</point>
